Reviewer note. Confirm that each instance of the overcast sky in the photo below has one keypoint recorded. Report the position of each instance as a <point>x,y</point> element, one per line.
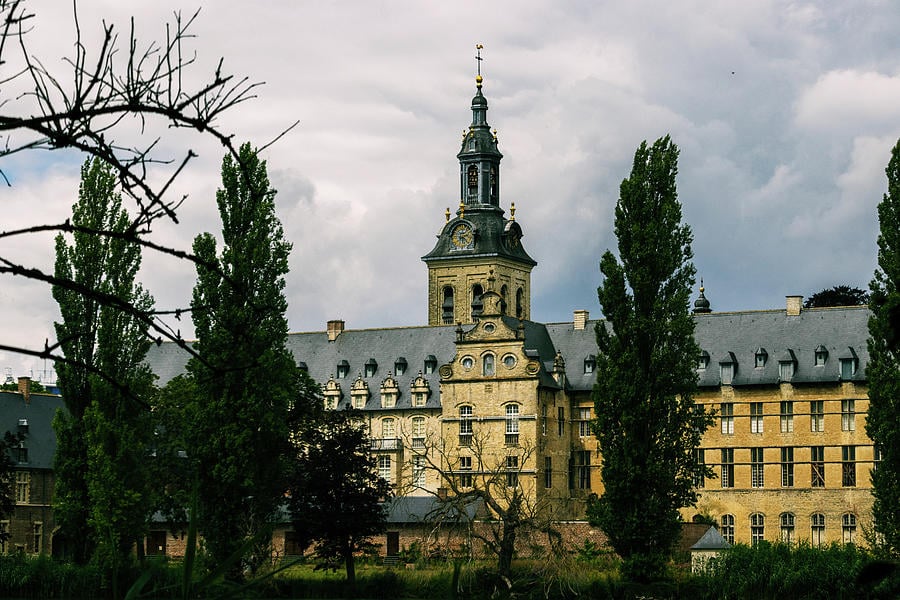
<point>784,112</point>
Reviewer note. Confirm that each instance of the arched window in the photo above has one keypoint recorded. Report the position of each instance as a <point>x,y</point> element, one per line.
<point>472,181</point>
<point>447,306</point>
<point>477,304</point>
<point>757,528</point>
<point>520,309</point>
<point>817,533</point>
<point>504,292</point>
<point>487,365</point>
<point>388,434</point>
<point>494,186</point>
<point>728,528</point>
<point>848,528</point>
<point>787,528</point>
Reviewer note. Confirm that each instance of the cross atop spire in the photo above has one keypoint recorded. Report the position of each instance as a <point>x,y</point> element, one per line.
<point>478,59</point>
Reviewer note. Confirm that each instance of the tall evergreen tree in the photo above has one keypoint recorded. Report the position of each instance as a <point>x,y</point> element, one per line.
<point>883,370</point>
<point>100,500</point>
<point>247,378</point>
<point>647,423</point>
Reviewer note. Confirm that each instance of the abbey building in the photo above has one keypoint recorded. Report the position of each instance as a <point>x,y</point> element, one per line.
<point>484,396</point>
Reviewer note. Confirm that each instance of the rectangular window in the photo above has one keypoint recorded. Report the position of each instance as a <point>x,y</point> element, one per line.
<point>756,417</point>
<point>419,399</point>
<point>757,528</point>
<point>817,463</point>
<point>727,475</point>
<point>512,424</point>
<point>817,415</point>
<point>726,414</point>
<point>23,487</point>
<point>37,533</point>
<point>584,422</point>
<point>560,421</point>
<point>418,465</point>
<point>787,467</point>
<point>700,456</point>
<point>512,471</point>
<point>548,472</point>
<point>848,415</point>
<point>726,372</point>
<point>848,528</point>
<point>787,417</point>
<point>876,456</point>
<point>583,469</point>
<point>757,468</point>
<point>785,371</point>
<point>848,466</point>
<point>384,468</point>
<point>544,420</point>
<point>465,467</point>
<point>418,432</point>
<point>465,425</point>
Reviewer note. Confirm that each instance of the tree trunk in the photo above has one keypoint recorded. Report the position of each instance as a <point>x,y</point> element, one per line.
<point>350,564</point>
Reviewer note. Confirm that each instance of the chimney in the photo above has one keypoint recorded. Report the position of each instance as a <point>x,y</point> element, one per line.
<point>335,328</point>
<point>25,388</point>
<point>794,304</point>
<point>581,319</point>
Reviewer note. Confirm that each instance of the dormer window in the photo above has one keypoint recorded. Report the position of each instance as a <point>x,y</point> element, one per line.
<point>849,363</point>
<point>761,357</point>
<point>727,369</point>
<point>343,369</point>
<point>332,394</point>
<point>703,361</point>
<point>787,364</point>
<point>303,367</point>
<point>371,367</point>
<point>590,364</point>
<point>400,366</point>
<point>821,356</point>
<point>390,392</point>
<point>430,364</point>
<point>359,394</point>
<point>420,390</point>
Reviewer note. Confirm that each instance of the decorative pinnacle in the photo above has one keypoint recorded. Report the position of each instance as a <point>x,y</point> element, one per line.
<point>702,289</point>
<point>512,211</point>
<point>447,214</point>
<point>478,59</point>
<point>462,209</point>
<point>495,135</point>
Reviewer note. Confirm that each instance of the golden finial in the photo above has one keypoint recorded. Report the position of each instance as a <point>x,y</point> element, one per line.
<point>512,211</point>
<point>701,286</point>
<point>447,214</point>
<point>462,209</point>
<point>495,135</point>
<point>478,79</point>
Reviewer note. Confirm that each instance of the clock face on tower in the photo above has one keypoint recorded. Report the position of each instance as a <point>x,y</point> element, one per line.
<point>462,236</point>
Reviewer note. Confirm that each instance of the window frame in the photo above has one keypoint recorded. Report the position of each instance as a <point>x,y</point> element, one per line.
<point>787,466</point>
<point>726,417</point>
<point>757,468</point>
<point>757,419</point>
<point>787,416</point>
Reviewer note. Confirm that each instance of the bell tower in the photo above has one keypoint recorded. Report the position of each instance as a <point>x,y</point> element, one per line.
<point>480,240</point>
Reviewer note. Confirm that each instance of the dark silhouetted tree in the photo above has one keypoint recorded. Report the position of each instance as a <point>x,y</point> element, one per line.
<point>245,378</point>
<point>839,295</point>
<point>336,495</point>
<point>883,370</point>
<point>100,502</point>
<point>647,423</point>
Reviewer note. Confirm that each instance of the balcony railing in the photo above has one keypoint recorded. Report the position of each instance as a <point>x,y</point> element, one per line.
<point>512,439</point>
<point>387,444</point>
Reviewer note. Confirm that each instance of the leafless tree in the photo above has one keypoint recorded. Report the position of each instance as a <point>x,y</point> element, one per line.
<point>91,105</point>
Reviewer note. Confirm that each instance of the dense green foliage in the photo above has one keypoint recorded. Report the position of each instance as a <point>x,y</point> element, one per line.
<point>883,370</point>
<point>101,503</point>
<point>36,388</point>
<point>647,423</point>
<point>839,295</point>
<point>245,379</point>
<point>336,494</point>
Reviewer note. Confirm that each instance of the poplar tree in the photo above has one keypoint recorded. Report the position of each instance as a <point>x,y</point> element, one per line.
<point>245,378</point>
<point>647,423</point>
<point>100,501</point>
<point>883,370</point>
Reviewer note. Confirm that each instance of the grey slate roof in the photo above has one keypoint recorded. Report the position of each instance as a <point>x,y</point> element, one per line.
<point>423,509</point>
<point>711,540</point>
<point>41,439</point>
<point>721,335</point>
<point>743,333</point>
